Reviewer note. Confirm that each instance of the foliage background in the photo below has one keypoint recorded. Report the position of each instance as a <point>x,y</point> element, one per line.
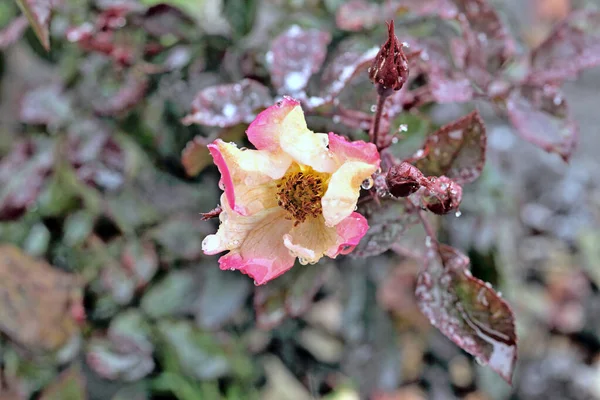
<point>127,307</point>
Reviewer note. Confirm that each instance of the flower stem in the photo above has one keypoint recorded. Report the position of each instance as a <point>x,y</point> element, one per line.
<point>383,93</point>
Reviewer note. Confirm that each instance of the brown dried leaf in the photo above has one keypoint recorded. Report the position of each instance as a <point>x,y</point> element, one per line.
<point>41,304</point>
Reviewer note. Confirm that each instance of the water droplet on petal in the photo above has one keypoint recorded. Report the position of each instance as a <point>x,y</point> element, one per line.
<point>243,149</point>
<point>232,269</point>
<point>255,283</point>
<point>302,260</point>
<point>367,183</point>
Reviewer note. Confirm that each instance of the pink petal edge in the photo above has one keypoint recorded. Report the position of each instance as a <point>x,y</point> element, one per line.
<point>357,150</point>
<point>260,269</point>
<point>350,231</point>
<point>226,179</point>
<point>263,131</point>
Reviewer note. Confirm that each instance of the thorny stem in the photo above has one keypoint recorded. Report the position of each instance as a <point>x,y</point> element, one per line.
<point>374,133</point>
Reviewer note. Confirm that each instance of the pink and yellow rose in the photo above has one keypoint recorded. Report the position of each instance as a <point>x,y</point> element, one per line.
<point>293,197</point>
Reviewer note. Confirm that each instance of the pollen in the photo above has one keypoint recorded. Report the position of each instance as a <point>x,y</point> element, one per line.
<point>300,193</point>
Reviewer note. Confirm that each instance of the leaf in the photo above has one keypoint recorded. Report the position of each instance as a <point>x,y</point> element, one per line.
<point>223,295</point>
<point>47,105</point>
<point>294,56</point>
<point>347,62</point>
<point>456,150</point>
<point>356,15</point>
<point>23,174</point>
<point>172,295</point>
<point>228,105</point>
<point>140,259</point>
<point>195,156</point>
<point>573,45</point>
<point>290,295</point>
<point>41,305</point>
<point>70,385</point>
<point>38,12</point>
<point>129,94</point>
<point>181,236</point>
<point>199,355</point>
<point>467,310</point>
<point>388,220</point>
<point>441,8</point>
<point>541,116</point>
<point>126,351</point>
<point>11,33</point>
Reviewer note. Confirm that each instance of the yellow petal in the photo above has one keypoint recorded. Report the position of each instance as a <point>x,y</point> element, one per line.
<point>311,239</point>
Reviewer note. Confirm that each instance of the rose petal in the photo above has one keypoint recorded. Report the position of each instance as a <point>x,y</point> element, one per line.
<point>344,150</point>
<point>244,174</point>
<point>311,239</point>
<point>265,130</point>
<point>349,233</point>
<point>343,191</point>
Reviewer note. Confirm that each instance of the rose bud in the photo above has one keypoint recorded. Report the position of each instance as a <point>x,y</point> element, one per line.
<point>442,195</point>
<point>403,180</point>
<point>390,67</point>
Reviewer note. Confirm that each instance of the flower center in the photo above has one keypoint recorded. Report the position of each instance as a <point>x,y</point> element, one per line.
<point>300,193</point>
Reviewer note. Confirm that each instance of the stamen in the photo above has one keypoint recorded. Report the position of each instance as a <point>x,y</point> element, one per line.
<point>300,193</point>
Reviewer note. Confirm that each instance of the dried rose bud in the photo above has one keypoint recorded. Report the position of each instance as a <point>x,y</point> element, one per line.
<point>390,66</point>
<point>403,180</point>
<point>443,195</point>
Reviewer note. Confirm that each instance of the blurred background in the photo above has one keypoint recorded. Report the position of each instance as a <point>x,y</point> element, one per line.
<point>105,292</point>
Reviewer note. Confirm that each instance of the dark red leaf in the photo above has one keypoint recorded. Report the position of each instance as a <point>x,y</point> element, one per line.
<point>456,150</point>
<point>228,105</point>
<point>489,44</point>
<point>22,175</point>
<point>13,32</point>
<point>467,310</point>
<point>541,116</point>
<point>129,94</point>
<point>573,46</point>
<point>294,56</point>
<point>47,105</point>
<point>38,12</point>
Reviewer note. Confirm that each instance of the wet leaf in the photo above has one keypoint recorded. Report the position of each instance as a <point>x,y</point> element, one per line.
<point>388,220</point>
<point>41,304</point>
<point>198,354</point>
<point>120,361</point>
<point>48,105</point>
<point>229,104</point>
<point>574,45</point>
<point>289,295</point>
<point>441,8</point>
<point>38,12</point>
<point>70,385</point>
<point>456,150</point>
<point>294,56</point>
<point>23,173</point>
<point>11,33</point>
<point>542,117</point>
<point>467,310</point>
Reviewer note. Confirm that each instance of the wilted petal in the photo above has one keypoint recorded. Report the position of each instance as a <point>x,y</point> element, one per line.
<point>311,239</point>
<point>344,187</point>
<point>244,174</point>
<point>256,243</point>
